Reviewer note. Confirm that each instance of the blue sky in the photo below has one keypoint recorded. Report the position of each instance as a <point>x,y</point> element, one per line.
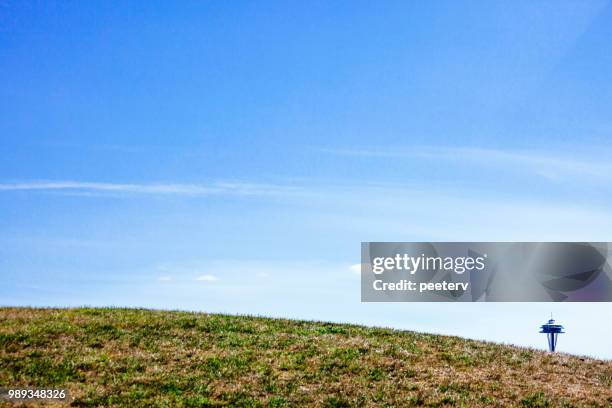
<point>231,156</point>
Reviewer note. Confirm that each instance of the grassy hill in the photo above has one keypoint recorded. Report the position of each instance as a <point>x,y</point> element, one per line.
<point>130,357</point>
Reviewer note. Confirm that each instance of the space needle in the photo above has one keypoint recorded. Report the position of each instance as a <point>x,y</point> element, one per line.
<point>552,331</point>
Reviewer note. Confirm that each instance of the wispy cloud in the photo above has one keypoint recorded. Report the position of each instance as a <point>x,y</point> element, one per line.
<point>164,278</point>
<point>93,188</point>
<point>551,165</point>
<point>207,278</point>
<point>355,268</point>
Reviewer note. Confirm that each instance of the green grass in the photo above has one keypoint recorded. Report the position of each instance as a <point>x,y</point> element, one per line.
<point>134,357</point>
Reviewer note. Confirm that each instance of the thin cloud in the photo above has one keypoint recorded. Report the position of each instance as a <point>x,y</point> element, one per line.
<point>164,278</point>
<point>356,269</point>
<point>553,165</point>
<point>94,188</point>
<point>206,278</point>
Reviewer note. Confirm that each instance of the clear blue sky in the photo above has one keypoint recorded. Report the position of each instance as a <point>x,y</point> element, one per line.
<point>231,156</point>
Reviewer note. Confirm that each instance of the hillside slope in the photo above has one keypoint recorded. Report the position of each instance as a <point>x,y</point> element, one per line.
<point>130,357</point>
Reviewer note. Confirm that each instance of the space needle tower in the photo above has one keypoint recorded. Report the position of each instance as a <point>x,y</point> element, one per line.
<point>552,331</point>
